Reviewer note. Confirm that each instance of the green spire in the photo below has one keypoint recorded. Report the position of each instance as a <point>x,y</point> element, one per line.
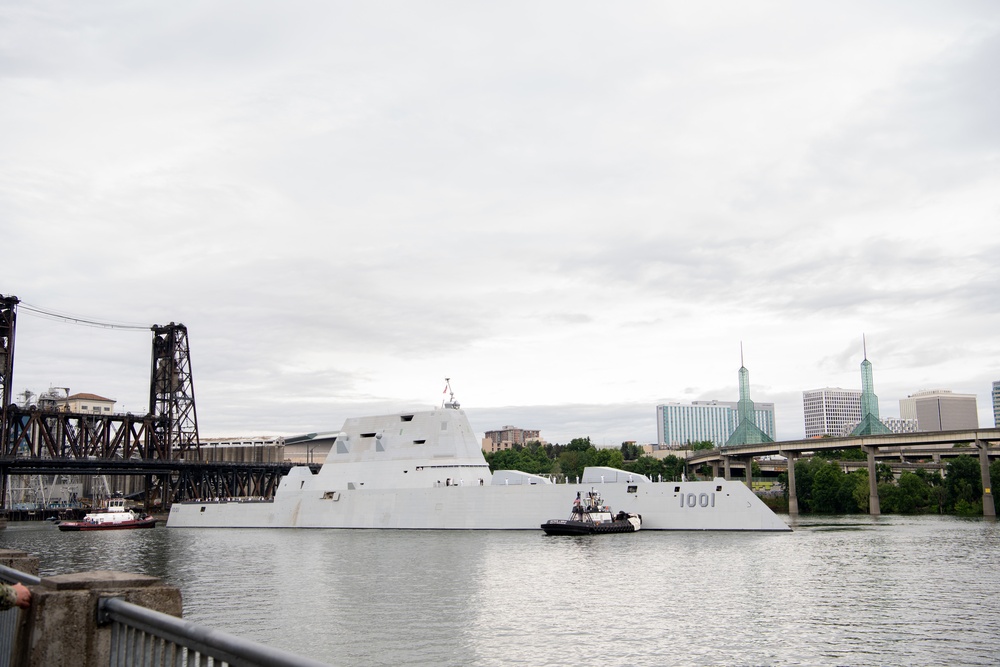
<point>747,432</point>
<point>870,423</point>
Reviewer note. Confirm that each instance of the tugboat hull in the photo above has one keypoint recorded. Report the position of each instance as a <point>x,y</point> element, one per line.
<point>121,525</point>
<point>570,527</point>
<point>559,527</point>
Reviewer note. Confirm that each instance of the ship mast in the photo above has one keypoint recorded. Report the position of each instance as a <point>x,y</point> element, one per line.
<point>451,402</point>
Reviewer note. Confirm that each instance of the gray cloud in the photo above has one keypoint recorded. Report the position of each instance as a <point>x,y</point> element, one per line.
<point>563,204</point>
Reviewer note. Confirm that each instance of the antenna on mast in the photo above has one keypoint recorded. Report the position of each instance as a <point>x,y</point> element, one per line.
<point>451,402</point>
<point>864,345</point>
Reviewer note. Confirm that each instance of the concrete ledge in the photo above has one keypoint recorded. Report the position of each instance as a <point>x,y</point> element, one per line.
<point>98,580</point>
<point>19,560</point>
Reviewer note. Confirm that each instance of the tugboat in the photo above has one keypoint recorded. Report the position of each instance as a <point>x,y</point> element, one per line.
<point>590,516</point>
<point>114,517</point>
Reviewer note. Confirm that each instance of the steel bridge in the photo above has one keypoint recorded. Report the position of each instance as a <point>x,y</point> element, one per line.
<point>161,447</point>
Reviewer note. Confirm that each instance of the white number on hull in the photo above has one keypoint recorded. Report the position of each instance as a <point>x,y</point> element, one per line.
<point>698,500</point>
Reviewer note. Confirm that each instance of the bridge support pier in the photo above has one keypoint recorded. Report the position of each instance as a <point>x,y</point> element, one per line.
<point>715,469</point>
<point>725,461</point>
<point>749,462</point>
<point>873,504</point>
<point>793,499</point>
<point>989,507</point>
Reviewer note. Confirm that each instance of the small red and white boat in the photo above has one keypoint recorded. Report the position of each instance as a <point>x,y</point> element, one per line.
<point>114,517</point>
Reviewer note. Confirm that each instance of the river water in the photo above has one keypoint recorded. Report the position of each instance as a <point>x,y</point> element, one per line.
<point>848,590</point>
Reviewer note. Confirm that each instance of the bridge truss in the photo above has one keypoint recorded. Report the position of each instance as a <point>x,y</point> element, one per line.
<point>161,446</point>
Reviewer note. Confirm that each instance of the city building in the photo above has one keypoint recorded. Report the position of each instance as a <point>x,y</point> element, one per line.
<point>88,403</point>
<point>830,411</point>
<point>898,425</point>
<point>940,410</point>
<point>263,449</point>
<point>679,424</point>
<point>507,437</point>
<point>996,404</point>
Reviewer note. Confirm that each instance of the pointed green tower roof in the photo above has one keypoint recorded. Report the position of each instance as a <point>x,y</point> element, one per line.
<point>747,432</point>
<point>870,423</point>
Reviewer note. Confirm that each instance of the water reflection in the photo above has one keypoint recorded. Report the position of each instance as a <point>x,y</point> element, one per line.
<point>838,590</point>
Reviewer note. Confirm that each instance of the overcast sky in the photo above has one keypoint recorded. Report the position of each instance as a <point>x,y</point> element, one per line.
<point>574,210</point>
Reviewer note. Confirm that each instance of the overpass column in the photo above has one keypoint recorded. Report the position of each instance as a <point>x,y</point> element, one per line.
<point>989,507</point>
<point>715,469</point>
<point>873,506</point>
<point>749,461</point>
<point>793,499</point>
<point>725,461</point>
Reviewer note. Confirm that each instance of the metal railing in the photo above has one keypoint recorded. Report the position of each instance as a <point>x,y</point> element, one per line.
<point>10,618</point>
<point>142,637</point>
<point>147,638</point>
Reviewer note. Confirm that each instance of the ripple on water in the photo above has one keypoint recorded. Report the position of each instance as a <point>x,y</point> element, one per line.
<point>838,590</point>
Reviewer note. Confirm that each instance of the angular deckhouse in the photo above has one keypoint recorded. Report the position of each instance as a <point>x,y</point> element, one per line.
<point>426,470</point>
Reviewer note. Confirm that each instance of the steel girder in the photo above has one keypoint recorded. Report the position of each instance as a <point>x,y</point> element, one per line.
<point>36,433</point>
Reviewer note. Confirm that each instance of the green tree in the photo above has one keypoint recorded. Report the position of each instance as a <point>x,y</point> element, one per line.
<point>612,458</point>
<point>860,493</point>
<point>669,468</point>
<point>966,508</point>
<point>963,482</point>
<point>631,451</point>
<point>701,445</point>
<point>673,468</point>
<point>826,484</point>
<point>535,456</point>
<point>505,459</point>
<point>571,463</point>
<point>805,472</point>
<point>851,454</point>
<point>994,476</point>
<point>914,493</point>
<point>649,466</point>
<point>888,498</point>
<point>883,473</point>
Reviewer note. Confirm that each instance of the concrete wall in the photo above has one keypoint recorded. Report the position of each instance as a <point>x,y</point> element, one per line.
<point>60,628</point>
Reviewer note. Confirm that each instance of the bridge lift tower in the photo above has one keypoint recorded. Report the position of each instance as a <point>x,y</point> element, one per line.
<point>8,318</point>
<point>171,390</point>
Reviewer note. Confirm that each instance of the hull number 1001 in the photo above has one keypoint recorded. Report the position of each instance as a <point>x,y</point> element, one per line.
<point>697,500</point>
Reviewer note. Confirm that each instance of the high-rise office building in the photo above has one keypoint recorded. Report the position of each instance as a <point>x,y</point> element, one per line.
<point>940,410</point>
<point>830,411</point>
<point>678,425</point>
<point>996,404</point>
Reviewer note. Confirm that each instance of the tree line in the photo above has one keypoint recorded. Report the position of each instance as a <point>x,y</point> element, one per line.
<point>822,487</point>
<point>821,484</point>
<point>568,461</point>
